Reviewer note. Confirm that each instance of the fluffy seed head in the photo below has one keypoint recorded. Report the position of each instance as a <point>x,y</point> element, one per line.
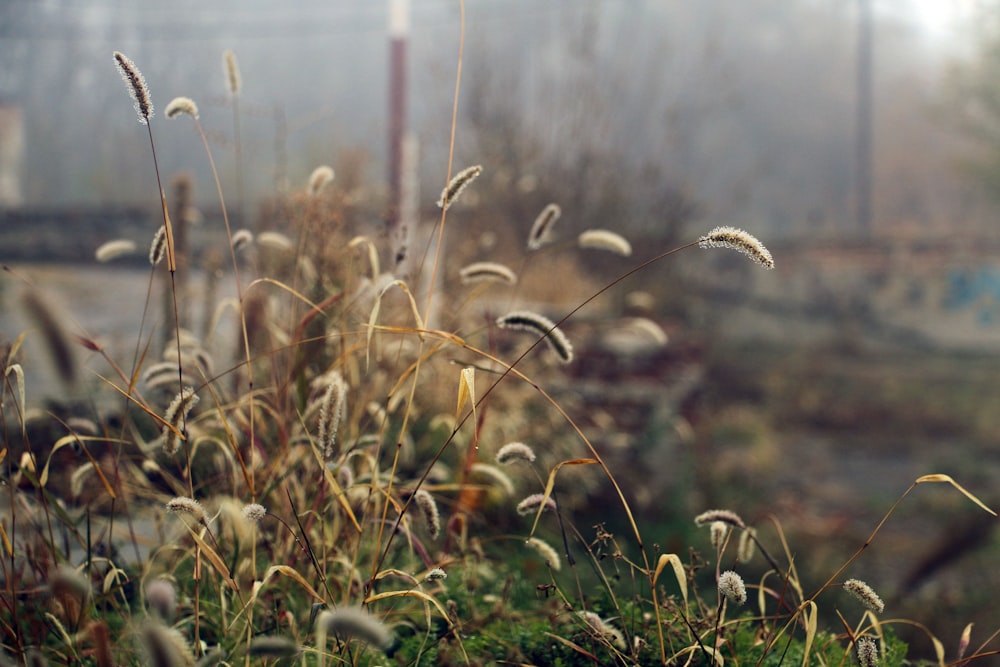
<point>602,239</point>
<point>275,240</point>
<point>68,583</point>
<point>603,628</point>
<point>355,623</point>
<point>524,320</point>
<point>113,249</point>
<point>436,575</point>
<point>182,505</point>
<point>241,239</point>
<point>731,585</point>
<point>330,413</point>
<point>479,272</point>
<point>531,504</point>
<point>164,646</point>
<point>50,324</point>
<point>319,179</point>
<point>545,550</point>
<point>867,652</point>
<point>739,240</point>
<point>176,416</point>
<point>273,647</point>
<point>866,594</point>
<point>541,230</point>
<point>181,105</point>
<point>158,248</point>
<point>513,452</point>
<point>458,183</point>
<point>746,547</point>
<point>161,596</point>
<point>429,508</point>
<point>136,85</point>
<point>725,516</point>
<point>232,71</point>
<point>254,512</point>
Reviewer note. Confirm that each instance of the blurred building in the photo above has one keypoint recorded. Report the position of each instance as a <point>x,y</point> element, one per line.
<point>11,154</point>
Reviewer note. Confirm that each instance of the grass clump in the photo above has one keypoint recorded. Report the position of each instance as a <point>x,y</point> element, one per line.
<point>323,490</point>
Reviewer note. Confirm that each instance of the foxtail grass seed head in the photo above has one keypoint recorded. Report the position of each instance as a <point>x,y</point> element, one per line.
<point>541,230</point>
<point>867,652</point>
<point>513,452</point>
<point>136,85</point>
<point>241,239</point>
<point>164,647</point>
<point>479,272</point>
<point>725,516</point>
<point>545,550</point>
<point>603,629</point>
<point>731,585</point>
<point>161,597</point>
<point>524,320</point>
<point>67,582</point>
<point>331,411</point>
<point>50,323</point>
<point>176,416</point>
<point>345,477</point>
<point>180,106</point>
<point>458,183</point>
<point>158,248</point>
<point>273,647</point>
<point>866,594</point>
<point>254,512</point>
<point>739,240</point>
<point>319,179</point>
<point>275,240</point>
<point>428,507</point>
<point>602,239</point>
<point>719,530</point>
<point>114,249</point>
<point>182,505</point>
<point>232,71</point>
<point>494,474</point>
<point>531,504</point>
<point>355,623</point>
<point>746,547</point>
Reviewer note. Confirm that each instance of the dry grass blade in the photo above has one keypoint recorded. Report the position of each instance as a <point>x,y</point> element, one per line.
<point>550,484</point>
<point>810,615</point>
<point>679,574</point>
<point>411,594</point>
<point>213,558</point>
<point>945,479</point>
<point>466,391</point>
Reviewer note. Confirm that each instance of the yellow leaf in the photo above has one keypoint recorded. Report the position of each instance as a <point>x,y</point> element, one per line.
<point>467,392</point>
<point>679,574</point>
<point>938,478</point>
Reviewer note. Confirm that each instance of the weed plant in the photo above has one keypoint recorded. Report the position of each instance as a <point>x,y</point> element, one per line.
<point>357,487</point>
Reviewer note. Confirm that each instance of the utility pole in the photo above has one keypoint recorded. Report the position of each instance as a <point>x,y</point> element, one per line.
<point>863,146</point>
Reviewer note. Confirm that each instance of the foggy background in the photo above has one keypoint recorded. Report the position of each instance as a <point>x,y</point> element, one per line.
<point>747,109</point>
